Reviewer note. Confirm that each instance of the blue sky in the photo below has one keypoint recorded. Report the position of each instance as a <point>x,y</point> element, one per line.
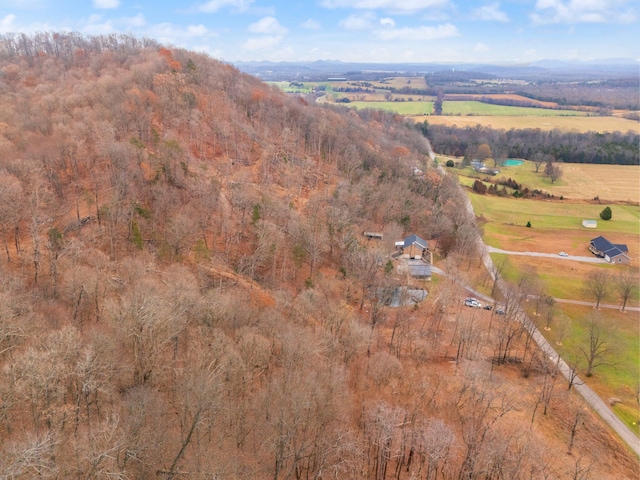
<point>386,31</point>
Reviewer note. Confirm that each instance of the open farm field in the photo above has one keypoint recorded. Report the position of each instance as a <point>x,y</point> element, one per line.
<point>581,124</point>
<point>479,108</point>
<point>580,181</point>
<point>403,108</point>
<point>399,82</point>
<point>380,97</point>
<point>289,88</point>
<point>501,96</point>
<point>608,182</point>
<point>555,215</point>
<point>468,108</point>
<point>618,380</point>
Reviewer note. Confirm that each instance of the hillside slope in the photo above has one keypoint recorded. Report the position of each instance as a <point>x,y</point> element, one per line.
<point>185,291</point>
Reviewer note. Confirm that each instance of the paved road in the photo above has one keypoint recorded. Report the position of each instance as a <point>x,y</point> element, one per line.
<point>579,386</point>
<point>488,300</point>
<point>592,304</point>
<point>590,259</point>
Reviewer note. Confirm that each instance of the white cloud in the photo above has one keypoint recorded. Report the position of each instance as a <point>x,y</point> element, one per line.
<point>106,3</point>
<point>421,33</point>
<point>267,26</point>
<point>491,12</point>
<point>356,21</point>
<point>283,54</point>
<point>169,33</point>
<point>584,11</point>
<point>213,6</point>
<point>481,48</point>
<point>198,31</point>
<point>96,26</point>
<point>133,22</point>
<point>387,22</point>
<point>391,5</point>
<point>6,23</point>
<point>262,43</point>
<point>311,25</point>
<point>24,4</point>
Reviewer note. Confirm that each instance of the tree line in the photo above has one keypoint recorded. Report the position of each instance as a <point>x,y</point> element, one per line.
<point>568,147</point>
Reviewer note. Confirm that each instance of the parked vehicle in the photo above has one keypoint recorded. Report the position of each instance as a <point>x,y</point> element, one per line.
<point>563,254</point>
<point>472,302</point>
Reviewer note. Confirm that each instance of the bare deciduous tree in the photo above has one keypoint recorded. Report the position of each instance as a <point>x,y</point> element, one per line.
<point>597,345</point>
<point>553,171</point>
<point>625,283</point>
<point>598,285</point>
<point>11,198</point>
<point>436,441</point>
<point>481,403</point>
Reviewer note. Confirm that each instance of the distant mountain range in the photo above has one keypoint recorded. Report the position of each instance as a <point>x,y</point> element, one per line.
<point>542,69</point>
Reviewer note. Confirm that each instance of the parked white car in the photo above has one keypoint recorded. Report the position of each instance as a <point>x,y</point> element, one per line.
<point>472,302</point>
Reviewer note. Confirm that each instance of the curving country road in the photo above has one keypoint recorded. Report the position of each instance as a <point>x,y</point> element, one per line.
<point>594,401</point>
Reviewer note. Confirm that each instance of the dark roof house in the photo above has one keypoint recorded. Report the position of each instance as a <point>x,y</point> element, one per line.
<point>415,240</point>
<point>611,252</point>
<point>412,247</point>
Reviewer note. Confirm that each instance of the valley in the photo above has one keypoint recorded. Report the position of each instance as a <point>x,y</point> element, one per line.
<point>197,273</point>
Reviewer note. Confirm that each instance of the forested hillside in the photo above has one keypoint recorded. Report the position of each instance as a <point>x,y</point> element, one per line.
<point>185,290</point>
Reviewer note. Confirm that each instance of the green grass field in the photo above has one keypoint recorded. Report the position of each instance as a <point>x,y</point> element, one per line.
<point>565,280</point>
<point>618,379</point>
<point>403,108</point>
<point>556,215</point>
<point>288,88</point>
<point>479,108</point>
<point>464,108</point>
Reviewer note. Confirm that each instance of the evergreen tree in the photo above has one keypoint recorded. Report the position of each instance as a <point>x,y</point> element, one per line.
<point>606,214</point>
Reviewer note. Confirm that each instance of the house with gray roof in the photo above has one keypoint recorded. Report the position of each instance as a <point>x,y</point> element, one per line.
<point>611,252</point>
<point>412,246</point>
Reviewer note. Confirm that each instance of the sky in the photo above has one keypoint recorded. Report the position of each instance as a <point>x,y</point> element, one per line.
<point>381,31</point>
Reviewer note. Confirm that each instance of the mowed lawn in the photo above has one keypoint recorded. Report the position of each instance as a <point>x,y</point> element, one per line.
<point>567,279</point>
<point>581,124</point>
<point>556,215</point>
<point>621,376</point>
